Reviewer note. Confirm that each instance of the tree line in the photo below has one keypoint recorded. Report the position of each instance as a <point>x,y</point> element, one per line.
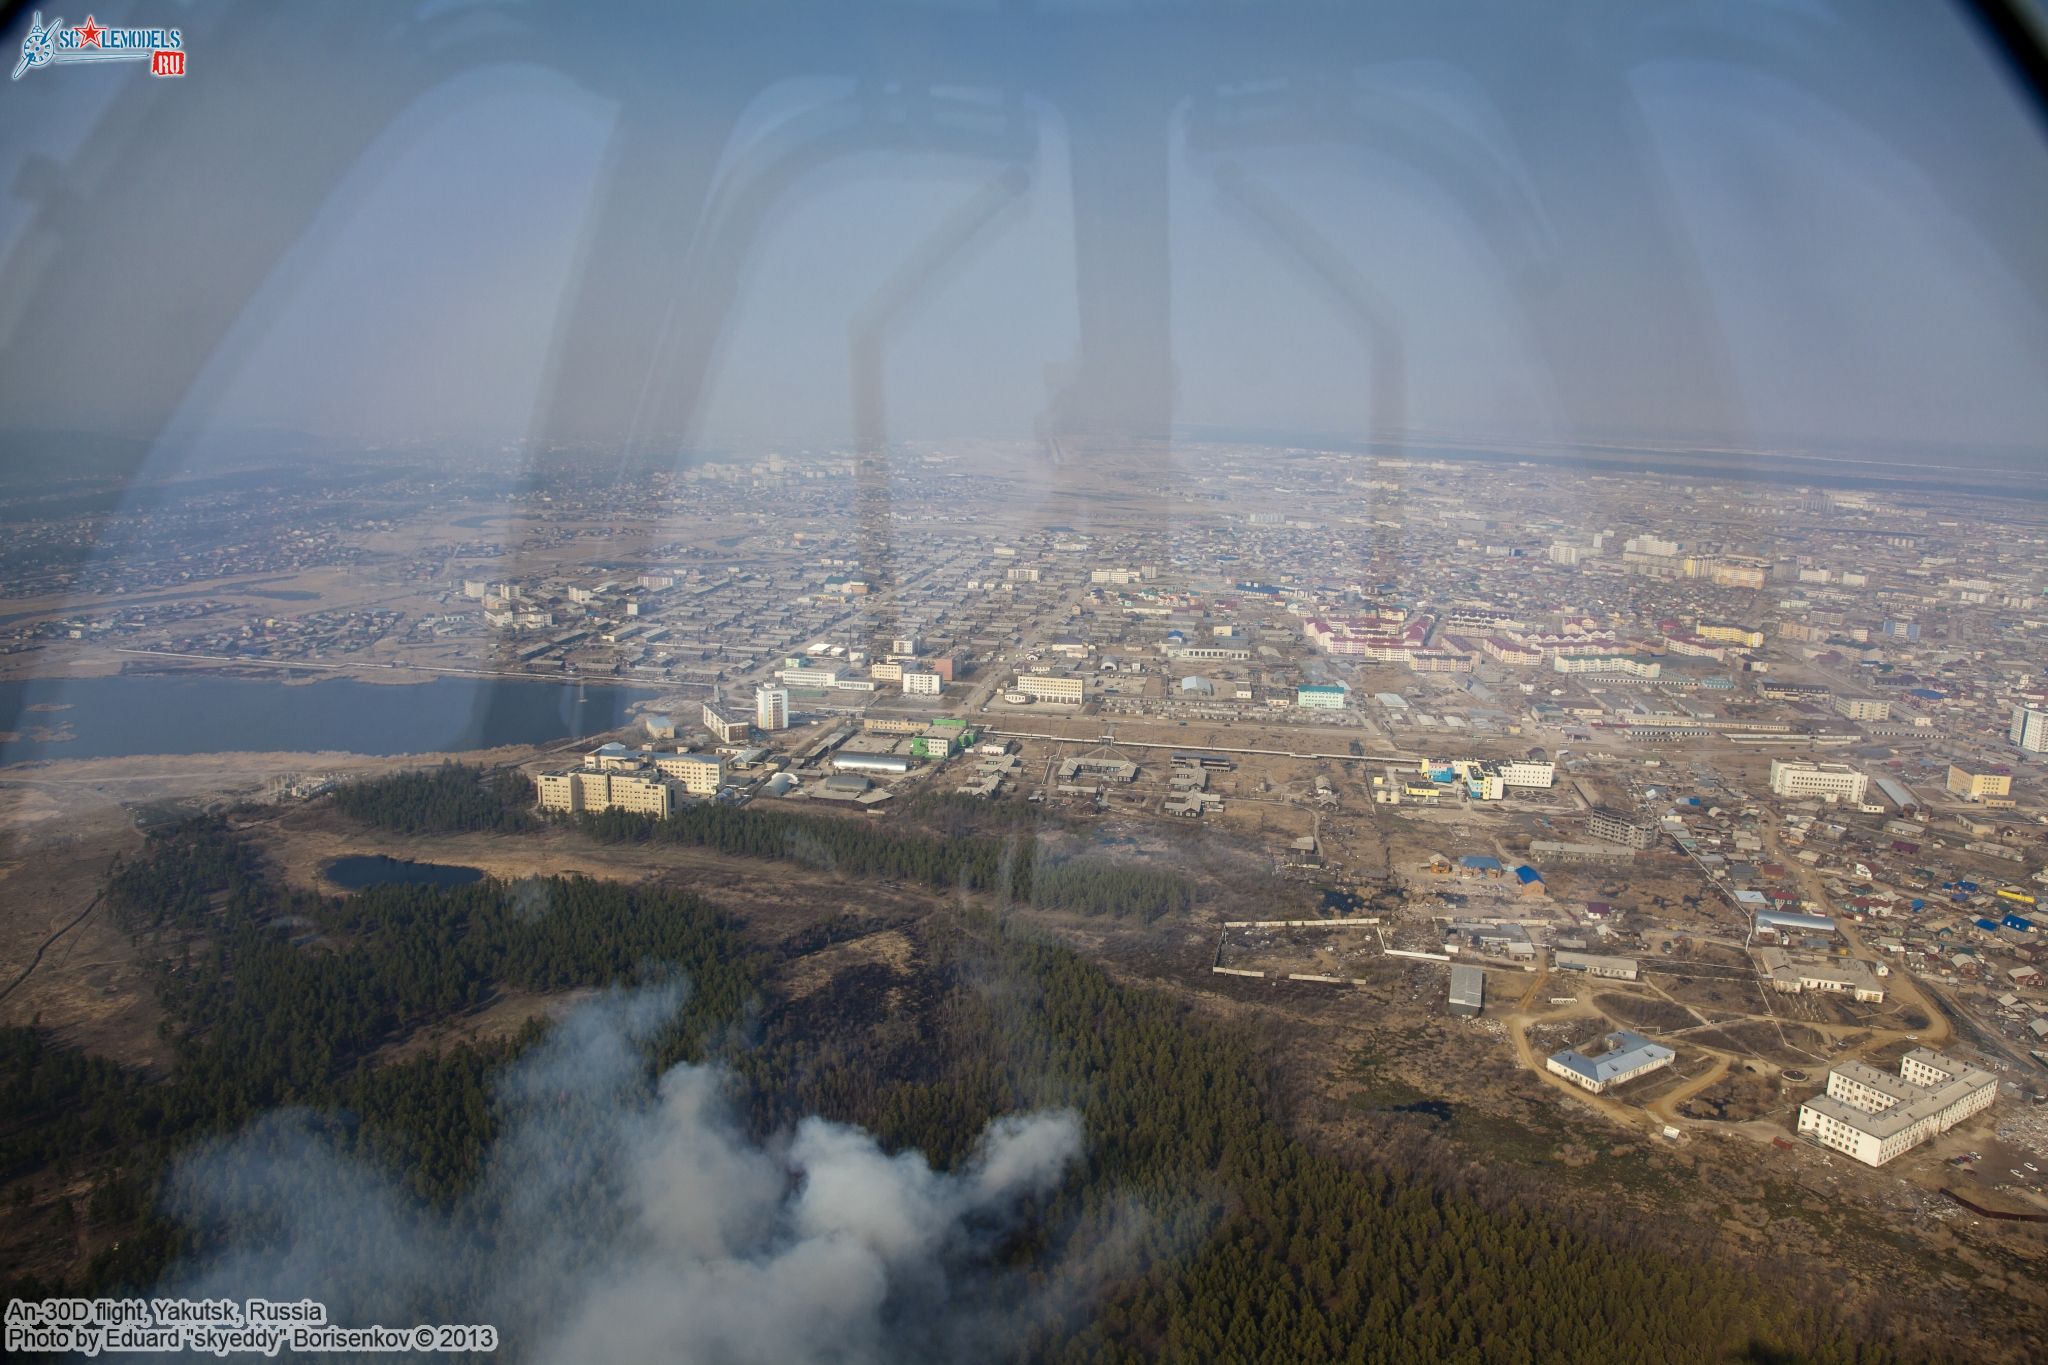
<point>1233,1239</point>
<point>961,851</point>
<point>275,997</point>
<point>1017,869</point>
<point>451,798</point>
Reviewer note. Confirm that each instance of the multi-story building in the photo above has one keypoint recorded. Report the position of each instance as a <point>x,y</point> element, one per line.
<point>771,709</point>
<point>2030,729</point>
<point>1321,696</point>
<point>1977,786</point>
<point>697,774</point>
<point>1727,574</point>
<point>1830,781</point>
<point>601,789</point>
<point>1864,708</point>
<point>1054,687</point>
<point>1778,690</point>
<point>921,682</point>
<point>1874,1116</point>
<point>809,675</point>
<point>887,670</point>
<point>1622,664</point>
<point>725,726</point>
<point>1617,828</point>
<point>1527,772</point>
<point>1732,635</point>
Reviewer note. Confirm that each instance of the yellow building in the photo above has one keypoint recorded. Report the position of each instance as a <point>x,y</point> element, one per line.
<point>1052,687</point>
<point>1733,635</point>
<point>602,789</point>
<point>1976,786</point>
<point>697,774</point>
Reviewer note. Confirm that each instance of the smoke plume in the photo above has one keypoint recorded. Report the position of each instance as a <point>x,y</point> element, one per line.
<point>615,1224</point>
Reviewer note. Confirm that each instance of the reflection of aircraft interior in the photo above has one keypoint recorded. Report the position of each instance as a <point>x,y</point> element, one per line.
<point>970,84</point>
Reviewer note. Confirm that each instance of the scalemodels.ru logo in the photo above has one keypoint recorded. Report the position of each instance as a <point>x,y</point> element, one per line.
<point>162,48</point>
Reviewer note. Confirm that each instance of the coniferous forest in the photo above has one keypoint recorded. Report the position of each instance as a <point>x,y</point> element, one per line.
<point>1232,1239</point>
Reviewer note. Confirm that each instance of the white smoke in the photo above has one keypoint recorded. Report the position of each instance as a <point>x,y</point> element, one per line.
<point>611,1226</point>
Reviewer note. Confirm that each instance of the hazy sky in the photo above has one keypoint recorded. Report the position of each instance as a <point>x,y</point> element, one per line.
<point>1766,224</point>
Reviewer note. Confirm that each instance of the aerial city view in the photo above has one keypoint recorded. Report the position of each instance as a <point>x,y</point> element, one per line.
<point>1208,749</point>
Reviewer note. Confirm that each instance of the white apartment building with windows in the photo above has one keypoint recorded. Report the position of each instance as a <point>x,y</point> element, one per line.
<point>1830,781</point>
<point>771,709</point>
<point>2030,729</point>
<point>1874,1116</point>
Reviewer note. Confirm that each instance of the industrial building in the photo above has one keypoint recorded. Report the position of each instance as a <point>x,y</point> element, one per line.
<point>1785,923</point>
<point>1829,781</point>
<point>1106,769</point>
<point>1874,1116</point>
<point>855,761</point>
<point>1592,964</point>
<point>771,709</point>
<point>1843,976</point>
<point>1468,990</point>
<point>1627,1056</point>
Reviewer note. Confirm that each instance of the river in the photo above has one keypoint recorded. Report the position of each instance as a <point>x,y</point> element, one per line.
<point>118,717</point>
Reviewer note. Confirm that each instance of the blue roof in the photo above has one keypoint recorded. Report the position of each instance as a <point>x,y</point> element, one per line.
<point>1484,861</point>
<point>1526,874</point>
<point>2019,922</point>
<point>1626,1053</point>
<point>1989,926</point>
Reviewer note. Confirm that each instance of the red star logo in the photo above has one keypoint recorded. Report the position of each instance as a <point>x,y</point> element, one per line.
<point>89,33</point>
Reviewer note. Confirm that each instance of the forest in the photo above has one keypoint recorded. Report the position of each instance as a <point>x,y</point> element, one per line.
<point>1013,864</point>
<point>452,797</point>
<point>277,997</point>
<point>1203,1228</point>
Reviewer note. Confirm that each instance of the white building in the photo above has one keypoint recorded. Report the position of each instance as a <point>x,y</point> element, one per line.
<point>919,682</point>
<point>809,675</point>
<point>1864,708</point>
<point>1873,1115</point>
<point>2030,729</point>
<point>1322,696</point>
<point>1831,781</point>
<point>1628,1056</point>
<point>1593,964</point>
<point>771,709</point>
<point>1524,772</point>
<point>1626,664</point>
